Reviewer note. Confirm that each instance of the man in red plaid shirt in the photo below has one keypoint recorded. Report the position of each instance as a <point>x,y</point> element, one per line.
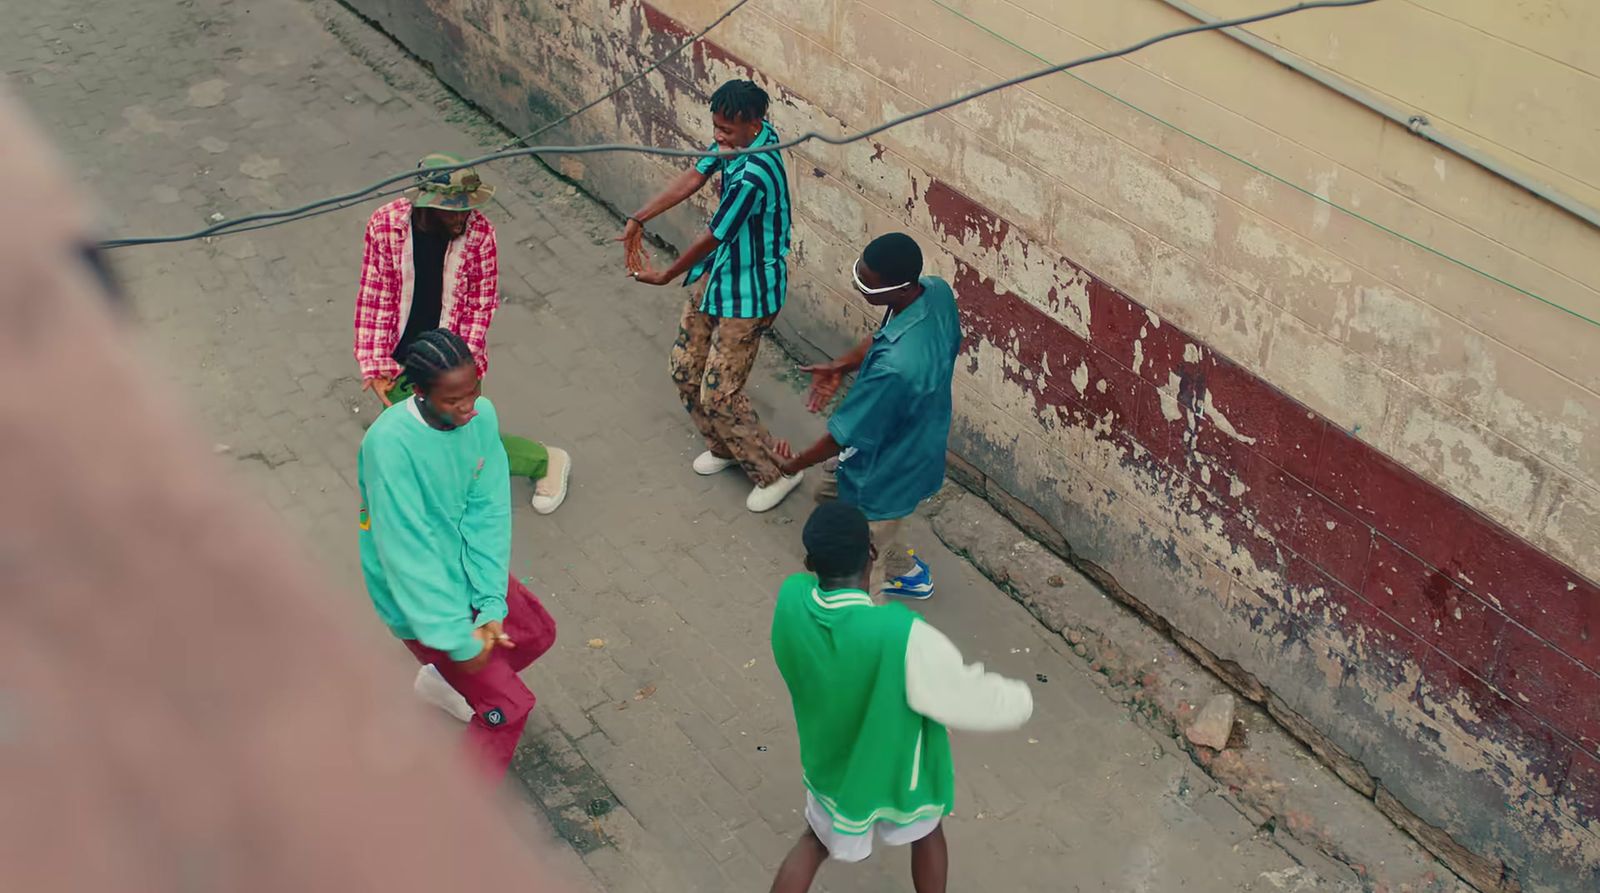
<point>432,262</point>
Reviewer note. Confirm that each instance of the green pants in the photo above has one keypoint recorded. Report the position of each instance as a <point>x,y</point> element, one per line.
<point>529,459</point>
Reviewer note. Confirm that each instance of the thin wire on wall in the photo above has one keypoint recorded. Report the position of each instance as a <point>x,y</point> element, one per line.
<point>1315,196</point>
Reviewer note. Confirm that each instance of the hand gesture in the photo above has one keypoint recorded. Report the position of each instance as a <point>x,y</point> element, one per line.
<point>380,386</point>
<point>634,256</point>
<point>492,635</point>
<point>825,381</point>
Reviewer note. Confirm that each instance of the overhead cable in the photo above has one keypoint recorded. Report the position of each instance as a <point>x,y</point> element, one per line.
<point>662,151</point>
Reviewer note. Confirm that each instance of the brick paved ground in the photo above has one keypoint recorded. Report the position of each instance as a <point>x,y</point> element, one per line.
<point>177,110</point>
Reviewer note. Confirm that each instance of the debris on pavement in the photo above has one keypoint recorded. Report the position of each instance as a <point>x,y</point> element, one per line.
<point>1214,723</point>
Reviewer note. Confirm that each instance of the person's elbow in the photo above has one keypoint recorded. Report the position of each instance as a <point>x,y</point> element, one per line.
<point>693,180</point>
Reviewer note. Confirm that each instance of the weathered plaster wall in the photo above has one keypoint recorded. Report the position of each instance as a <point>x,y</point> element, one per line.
<point>1367,475</point>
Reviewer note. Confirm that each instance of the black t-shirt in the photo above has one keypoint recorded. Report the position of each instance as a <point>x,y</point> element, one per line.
<point>427,289</point>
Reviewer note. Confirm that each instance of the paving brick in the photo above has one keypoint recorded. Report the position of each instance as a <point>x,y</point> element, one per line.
<point>667,566</point>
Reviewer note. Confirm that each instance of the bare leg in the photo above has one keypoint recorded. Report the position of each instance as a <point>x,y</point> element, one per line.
<point>799,868</point>
<point>930,862</point>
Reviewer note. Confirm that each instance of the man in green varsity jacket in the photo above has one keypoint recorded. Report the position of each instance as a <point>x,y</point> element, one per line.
<point>874,688</point>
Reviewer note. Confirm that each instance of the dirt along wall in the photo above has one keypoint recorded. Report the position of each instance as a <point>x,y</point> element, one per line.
<point>1356,470</point>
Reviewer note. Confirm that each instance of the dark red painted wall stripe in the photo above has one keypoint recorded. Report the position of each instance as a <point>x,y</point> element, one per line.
<point>1404,560</point>
<point>1416,574</point>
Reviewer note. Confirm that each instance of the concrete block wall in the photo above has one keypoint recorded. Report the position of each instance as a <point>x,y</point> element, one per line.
<point>1365,474</point>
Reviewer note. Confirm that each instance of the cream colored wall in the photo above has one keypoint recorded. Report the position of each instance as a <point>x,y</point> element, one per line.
<point>1485,390</point>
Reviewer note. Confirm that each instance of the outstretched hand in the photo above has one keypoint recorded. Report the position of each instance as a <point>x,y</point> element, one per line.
<point>634,257</point>
<point>825,381</point>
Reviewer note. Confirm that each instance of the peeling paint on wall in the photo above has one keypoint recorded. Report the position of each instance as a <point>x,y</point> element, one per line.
<point>1456,657</point>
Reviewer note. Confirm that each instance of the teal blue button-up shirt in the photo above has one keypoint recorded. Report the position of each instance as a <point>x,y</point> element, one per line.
<point>747,275</point>
<point>894,424</point>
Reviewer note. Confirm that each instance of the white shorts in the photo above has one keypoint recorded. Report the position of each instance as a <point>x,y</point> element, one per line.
<point>857,847</point>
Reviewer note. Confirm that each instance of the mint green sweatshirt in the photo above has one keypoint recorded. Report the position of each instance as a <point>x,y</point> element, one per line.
<point>435,526</point>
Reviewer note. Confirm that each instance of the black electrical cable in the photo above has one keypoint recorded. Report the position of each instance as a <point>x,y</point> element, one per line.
<point>775,147</point>
<point>231,227</point>
<point>636,78</point>
<point>310,214</point>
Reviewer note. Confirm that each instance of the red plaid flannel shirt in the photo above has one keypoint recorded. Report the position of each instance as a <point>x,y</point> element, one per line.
<point>471,288</point>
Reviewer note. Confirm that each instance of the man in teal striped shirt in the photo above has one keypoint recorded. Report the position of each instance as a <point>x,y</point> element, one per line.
<point>741,262</point>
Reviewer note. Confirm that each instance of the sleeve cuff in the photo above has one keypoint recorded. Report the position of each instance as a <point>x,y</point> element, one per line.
<point>490,608</point>
<point>839,431</point>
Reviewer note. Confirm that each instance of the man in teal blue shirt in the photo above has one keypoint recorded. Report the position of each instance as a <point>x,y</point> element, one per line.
<point>891,431</point>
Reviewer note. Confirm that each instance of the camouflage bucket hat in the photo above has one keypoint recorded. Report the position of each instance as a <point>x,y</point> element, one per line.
<point>457,190</point>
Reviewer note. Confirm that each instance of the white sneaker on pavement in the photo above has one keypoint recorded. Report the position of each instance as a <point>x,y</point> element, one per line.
<point>551,490</point>
<point>431,687</point>
<point>710,463</point>
<point>765,499</point>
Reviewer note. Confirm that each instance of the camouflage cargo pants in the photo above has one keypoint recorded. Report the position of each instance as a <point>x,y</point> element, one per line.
<point>711,361</point>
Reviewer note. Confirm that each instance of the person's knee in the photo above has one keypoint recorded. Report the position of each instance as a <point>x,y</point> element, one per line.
<point>688,395</point>
<point>688,385</point>
<point>682,371</point>
<point>933,839</point>
<point>713,398</point>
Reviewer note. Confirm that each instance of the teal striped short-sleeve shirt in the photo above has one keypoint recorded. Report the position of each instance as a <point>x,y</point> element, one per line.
<point>747,276</point>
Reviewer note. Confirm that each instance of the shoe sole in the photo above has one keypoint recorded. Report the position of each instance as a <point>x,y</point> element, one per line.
<point>566,477</point>
<point>913,594</point>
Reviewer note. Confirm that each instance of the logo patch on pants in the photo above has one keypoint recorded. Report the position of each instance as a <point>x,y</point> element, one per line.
<point>494,717</point>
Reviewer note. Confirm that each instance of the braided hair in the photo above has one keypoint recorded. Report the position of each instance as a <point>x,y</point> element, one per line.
<point>432,354</point>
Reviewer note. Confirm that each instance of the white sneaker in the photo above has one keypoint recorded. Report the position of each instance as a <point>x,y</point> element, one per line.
<point>711,463</point>
<point>431,687</point>
<point>551,490</point>
<point>765,499</point>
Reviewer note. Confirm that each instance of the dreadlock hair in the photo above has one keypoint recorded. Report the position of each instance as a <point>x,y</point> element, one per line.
<point>431,355</point>
<point>740,100</point>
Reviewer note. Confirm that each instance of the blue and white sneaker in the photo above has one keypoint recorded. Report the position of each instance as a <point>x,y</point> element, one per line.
<point>916,585</point>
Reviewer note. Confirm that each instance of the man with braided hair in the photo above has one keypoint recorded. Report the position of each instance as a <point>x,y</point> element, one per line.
<point>435,535</point>
<point>432,261</point>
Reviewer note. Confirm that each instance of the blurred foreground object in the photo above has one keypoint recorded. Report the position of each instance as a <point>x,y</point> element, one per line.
<point>181,708</point>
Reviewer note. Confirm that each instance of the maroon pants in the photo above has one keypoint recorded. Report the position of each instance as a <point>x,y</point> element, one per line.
<point>500,701</point>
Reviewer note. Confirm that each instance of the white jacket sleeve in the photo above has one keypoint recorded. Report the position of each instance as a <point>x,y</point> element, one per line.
<point>940,686</point>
